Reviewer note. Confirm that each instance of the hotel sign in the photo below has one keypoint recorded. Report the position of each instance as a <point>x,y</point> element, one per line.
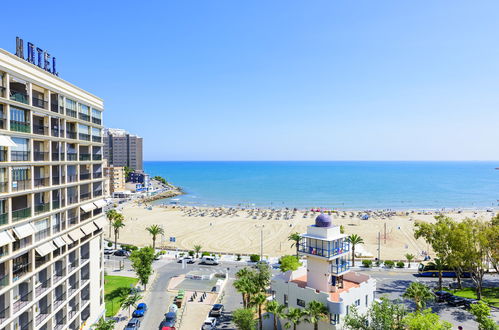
<point>36,56</point>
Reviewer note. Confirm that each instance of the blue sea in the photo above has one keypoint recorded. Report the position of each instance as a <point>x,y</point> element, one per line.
<point>337,184</point>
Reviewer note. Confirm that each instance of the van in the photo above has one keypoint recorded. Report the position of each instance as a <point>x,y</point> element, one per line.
<point>209,260</point>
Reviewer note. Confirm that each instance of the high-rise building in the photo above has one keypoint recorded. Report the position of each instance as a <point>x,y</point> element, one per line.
<point>51,216</point>
<point>123,149</point>
<point>116,177</point>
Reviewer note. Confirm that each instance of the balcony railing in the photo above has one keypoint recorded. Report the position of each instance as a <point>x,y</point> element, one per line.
<point>54,107</point>
<point>21,185</point>
<point>73,220</point>
<point>44,313</point>
<point>71,135</point>
<point>96,121</point>
<point>84,116</point>
<point>4,187</point>
<point>343,266</point>
<point>57,132</point>
<point>59,274</point>
<point>96,157</point>
<point>56,180</point>
<point>97,175</point>
<point>4,314</point>
<point>21,214</point>
<point>324,252</point>
<point>72,178</point>
<point>19,156</point>
<point>60,323</point>
<point>40,129</point>
<point>84,176</point>
<point>97,193</point>
<point>72,288</point>
<point>73,311</point>
<point>4,280</point>
<point>72,199</point>
<point>84,156</point>
<point>4,218</point>
<point>41,156</point>
<point>84,137</point>
<point>56,205</point>
<point>22,301</point>
<point>84,196</point>
<point>42,208</point>
<point>73,264</point>
<point>96,138</point>
<point>42,287</point>
<point>3,155</point>
<point>20,126</point>
<point>19,270</point>
<point>41,182</point>
<point>39,103</point>
<point>71,113</point>
<point>59,300</point>
<point>18,96</point>
<point>71,156</point>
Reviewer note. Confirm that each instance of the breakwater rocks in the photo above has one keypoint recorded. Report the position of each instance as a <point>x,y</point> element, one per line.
<point>164,194</point>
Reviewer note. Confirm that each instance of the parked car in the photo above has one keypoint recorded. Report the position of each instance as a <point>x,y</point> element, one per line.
<point>140,310</point>
<point>443,296</point>
<point>456,301</point>
<point>170,319</point>
<point>209,324</point>
<point>468,302</point>
<point>121,253</point>
<point>209,260</point>
<point>189,260</point>
<point>216,310</point>
<point>133,324</point>
<point>109,251</point>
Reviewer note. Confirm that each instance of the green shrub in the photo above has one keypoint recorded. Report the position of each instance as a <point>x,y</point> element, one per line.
<point>254,258</point>
<point>133,248</point>
<point>389,263</point>
<point>163,252</point>
<point>367,263</point>
<point>378,263</point>
<point>191,253</point>
<point>205,254</point>
<point>238,257</point>
<point>400,264</point>
<point>109,244</point>
<point>181,254</point>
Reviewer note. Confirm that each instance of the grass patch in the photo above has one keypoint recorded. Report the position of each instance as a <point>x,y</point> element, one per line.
<point>489,295</point>
<point>113,287</point>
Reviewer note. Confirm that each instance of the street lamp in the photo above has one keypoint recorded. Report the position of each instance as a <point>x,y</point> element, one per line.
<point>261,240</point>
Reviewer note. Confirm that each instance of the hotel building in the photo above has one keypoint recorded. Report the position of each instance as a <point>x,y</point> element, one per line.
<point>51,187</point>
<point>123,149</point>
<point>326,278</point>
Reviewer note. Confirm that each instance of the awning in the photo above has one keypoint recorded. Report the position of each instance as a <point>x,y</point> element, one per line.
<point>45,249</point>
<point>67,239</point>
<point>88,207</point>
<point>100,222</point>
<point>24,230</point>
<point>76,234</point>
<point>6,141</point>
<point>100,203</point>
<point>6,238</point>
<point>59,242</point>
<point>89,228</point>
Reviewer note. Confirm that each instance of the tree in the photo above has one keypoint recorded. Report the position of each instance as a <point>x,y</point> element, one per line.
<point>295,238</point>
<point>131,301</point>
<point>409,257</point>
<point>342,229</point>
<point>420,294</point>
<point>493,237</point>
<point>425,320</point>
<point>142,264</point>
<point>276,309</point>
<point>110,214</point>
<point>127,171</point>
<point>439,266</point>
<point>289,262</point>
<point>117,225</point>
<point>197,249</point>
<point>104,324</point>
<point>243,319</point>
<point>354,239</point>
<point>245,283</point>
<point>316,311</point>
<point>155,230</point>
<point>258,300</point>
<point>295,317</point>
<point>481,312</point>
<point>381,315</point>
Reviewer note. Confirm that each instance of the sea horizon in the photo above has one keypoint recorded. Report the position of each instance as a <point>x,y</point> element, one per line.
<point>344,185</point>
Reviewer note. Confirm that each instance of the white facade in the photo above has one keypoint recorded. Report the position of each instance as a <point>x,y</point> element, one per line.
<point>327,277</point>
<point>51,190</point>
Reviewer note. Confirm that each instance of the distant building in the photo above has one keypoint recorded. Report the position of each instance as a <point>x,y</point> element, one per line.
<point>116,177</point>
<point>140,178</point>
<point>327,277</point>
<point>123,149</point>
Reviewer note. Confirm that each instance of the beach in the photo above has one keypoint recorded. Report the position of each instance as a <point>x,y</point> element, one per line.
<point>233,231</point>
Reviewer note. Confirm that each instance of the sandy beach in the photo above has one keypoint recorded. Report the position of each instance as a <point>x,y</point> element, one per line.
<point>239,231</point>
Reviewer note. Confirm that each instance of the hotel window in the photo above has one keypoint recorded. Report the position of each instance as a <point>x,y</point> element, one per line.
<point>71,108</point>
<point>84,112</point>
<point>21,151</point>
<point>42,229</point>
<point>300,302</point>
<point>19,120</point>
<point>84,132</point>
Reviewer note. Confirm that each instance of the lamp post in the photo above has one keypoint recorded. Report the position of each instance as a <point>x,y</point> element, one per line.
<point>261,240</point>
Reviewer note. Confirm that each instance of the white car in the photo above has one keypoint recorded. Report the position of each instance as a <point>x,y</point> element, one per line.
<point>209,323</point>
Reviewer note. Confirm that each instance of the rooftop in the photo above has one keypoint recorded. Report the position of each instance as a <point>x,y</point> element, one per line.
<point>333,296</point>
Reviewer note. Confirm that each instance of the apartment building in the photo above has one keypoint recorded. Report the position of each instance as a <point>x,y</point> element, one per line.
<point>123,149</point>
<point>51,187</point>
<point>116,177</point>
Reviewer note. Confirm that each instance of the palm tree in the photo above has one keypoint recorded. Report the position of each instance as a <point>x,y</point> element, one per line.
<point>354,239</point>
<point>439,265</point>
<point>295,317</point>
<point>258,300</point>
<point>110,214</point>
<point>276,309</point>
<point>316,311</point>
<point>104,324</point>
<point>419,293</point>
<point>409,257</point>
<point>117,225</point>
<point>197,249</point>
<point>155,230</point>
<point>295,238</point>
<point>247,288</point>
<point>131,301</point>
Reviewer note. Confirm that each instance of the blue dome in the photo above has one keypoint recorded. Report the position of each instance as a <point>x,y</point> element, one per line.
<point>323,220</point>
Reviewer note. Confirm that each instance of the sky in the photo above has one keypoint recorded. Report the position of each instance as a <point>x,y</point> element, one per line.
<point>281,80</point>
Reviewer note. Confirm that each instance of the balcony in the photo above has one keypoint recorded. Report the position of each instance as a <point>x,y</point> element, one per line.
<point>84,116</point>
<point>4,314</point>
<point>54,107</point>
<point>73,264</point>
<point>71,156</point>
<point>84,137</point>
<point>40,156</point>
<point>73,310</point>
<point>59,274</point>
<point>84,157</point>
<point>21,185</point>
<point>73,199</point>
<point>328,252</point>
<point>41,288</point>
<point>20,126</point>
<point>19,156</point>
<point>4,218</point>
<point>72,178</point>
<point>56,156</point>
<point>3,155</point>
<point>71,113</point>
<point>96,157</point>
<point>42,208</point>
<point>56,180</point>
<point>84,176</point>
<point>96,121</point>
<point>84,196</point>
<point>72,288</point>
<point>40,129</point>
<point>73,220</point>
<point>22,301</point>
<point>39,103</point>
<point>341,267</point>
<point>21,214</point>
<point>59,299</point>
<point>97,193</point>
<point>4,187</point>
<point>44,313</point>
<point>71,135</point>
<point>56,205</point>
<point>60,323</point>
<point>4,280</point>
<point>57,132</point>
<point>96,138</point>
<point>97,175</point>
<point>41,182</point>
<point>18,96</point>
